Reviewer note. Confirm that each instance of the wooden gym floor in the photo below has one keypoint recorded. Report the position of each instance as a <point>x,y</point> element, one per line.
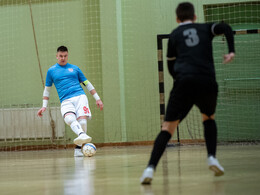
<point>116,170</point>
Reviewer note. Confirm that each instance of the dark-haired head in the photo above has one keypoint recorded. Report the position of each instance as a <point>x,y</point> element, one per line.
<point>62,55</point>
<point>62,48</point>
<point>185,11</point>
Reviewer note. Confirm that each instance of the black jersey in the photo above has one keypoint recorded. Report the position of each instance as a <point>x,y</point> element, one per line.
<point>191,44</point>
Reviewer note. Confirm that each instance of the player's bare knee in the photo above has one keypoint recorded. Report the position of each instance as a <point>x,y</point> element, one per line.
<point>69,118</point>
<point>170,126</point>
<point>206,117</point>
<point>171,131</point>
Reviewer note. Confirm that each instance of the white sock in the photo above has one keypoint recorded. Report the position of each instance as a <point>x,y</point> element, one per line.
<point>83,123</point>
<point>76,127</point>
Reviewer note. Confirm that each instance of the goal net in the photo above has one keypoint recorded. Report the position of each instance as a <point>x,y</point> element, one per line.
<point>31,31</point>
<point>239,82</point>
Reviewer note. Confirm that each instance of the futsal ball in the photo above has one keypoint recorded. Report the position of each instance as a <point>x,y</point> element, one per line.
<point>89,149</point>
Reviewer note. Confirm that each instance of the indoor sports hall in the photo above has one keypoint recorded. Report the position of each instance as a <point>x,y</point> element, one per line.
<point>120,46</point>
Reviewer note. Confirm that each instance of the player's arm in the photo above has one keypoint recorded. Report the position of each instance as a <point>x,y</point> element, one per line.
<point>45,99</point>
<point>223,28</point>
<point>170,63</point>
<point>94,93</point>
<point>171,57</point>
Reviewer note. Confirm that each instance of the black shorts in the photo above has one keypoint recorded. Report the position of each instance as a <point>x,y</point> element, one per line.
<point>190,90</point>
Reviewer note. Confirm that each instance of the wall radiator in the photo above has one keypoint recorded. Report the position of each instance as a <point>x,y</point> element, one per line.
<point>23,123</point>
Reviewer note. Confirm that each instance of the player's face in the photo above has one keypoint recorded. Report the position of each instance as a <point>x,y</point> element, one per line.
<point>62,57</point>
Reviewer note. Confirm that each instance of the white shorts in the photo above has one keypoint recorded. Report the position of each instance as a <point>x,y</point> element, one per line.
<point>78,105</point>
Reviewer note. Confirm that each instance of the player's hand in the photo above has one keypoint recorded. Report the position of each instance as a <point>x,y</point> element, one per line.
<point>228,57</point>
<point>100,104</point>
<point>41,111</point>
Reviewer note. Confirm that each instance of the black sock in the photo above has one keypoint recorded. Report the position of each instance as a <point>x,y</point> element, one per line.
<point>210,134</point>
<point>78,147</point>
<point>159,147</point>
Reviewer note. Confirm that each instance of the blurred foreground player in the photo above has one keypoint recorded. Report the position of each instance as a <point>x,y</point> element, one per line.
<point>190,63</point>
<point>74,102</point>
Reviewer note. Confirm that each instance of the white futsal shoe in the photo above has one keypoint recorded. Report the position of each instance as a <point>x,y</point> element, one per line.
<point>78,152</point>
<point>147,176</point>
<point>215,166</point>
<point>82,139</point>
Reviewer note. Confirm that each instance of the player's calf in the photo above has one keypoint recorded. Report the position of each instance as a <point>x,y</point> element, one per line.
<point>82,138</point>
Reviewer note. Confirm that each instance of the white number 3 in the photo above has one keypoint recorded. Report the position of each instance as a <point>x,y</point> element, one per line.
<point>192,37</point>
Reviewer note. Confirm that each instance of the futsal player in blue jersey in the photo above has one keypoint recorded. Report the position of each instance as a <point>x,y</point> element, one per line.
<point>190,63</point>
<point>74,102</point>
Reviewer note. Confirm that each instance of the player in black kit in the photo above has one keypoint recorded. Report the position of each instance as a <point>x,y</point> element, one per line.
<point>190,62</point>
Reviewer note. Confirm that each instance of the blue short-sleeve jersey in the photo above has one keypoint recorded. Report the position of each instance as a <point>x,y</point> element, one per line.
<point>66,79</point>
